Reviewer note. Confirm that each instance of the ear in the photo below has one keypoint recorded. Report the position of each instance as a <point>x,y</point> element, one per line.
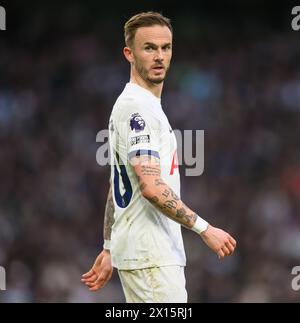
<point>128,54</point>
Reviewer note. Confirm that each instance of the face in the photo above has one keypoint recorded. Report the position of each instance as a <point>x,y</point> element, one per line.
<point>152,52</point>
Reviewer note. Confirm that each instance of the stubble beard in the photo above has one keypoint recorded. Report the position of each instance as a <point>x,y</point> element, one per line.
<point>144,74</point>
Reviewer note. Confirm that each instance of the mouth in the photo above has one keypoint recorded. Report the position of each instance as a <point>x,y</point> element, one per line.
<point>158,68</point>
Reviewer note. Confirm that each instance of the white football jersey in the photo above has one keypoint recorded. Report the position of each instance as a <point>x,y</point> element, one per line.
<point>142,236</point>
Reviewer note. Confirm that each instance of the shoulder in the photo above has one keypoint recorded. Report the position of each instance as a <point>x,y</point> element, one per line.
<point>128,107</point>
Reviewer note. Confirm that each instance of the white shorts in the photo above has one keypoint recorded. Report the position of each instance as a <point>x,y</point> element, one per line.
<point>154,285</point>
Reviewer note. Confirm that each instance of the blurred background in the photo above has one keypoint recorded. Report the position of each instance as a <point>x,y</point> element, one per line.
<point>235,74</point>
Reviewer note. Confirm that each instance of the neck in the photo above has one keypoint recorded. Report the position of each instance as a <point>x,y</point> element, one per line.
<point>155,89</point>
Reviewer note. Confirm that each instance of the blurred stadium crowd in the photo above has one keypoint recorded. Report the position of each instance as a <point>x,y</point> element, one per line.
<point>56,93</point>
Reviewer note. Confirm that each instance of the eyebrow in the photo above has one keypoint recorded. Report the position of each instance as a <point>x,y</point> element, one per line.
<point>154,45</point>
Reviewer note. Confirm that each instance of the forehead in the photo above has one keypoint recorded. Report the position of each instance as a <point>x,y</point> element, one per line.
<point>155,34</point>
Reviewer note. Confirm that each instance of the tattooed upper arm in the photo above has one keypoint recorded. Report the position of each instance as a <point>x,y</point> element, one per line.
<point>147,169</point>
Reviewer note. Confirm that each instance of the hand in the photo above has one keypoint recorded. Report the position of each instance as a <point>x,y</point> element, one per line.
<point>100,273</point>
<point>219,241</point>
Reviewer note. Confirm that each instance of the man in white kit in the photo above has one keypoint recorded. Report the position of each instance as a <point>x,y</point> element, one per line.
<point>144,212</point>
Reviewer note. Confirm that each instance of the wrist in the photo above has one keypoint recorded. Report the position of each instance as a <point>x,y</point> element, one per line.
<point>200,225</point>
<point>106,245</point>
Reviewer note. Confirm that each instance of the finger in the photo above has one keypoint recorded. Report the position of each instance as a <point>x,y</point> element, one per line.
<point>92,284</point>
<point>221,254</point>
<point>232,241</point>
<point>99,283</point>
<point>102,281</point>
<point>103,278</point>
<point>230,247</point>
<point>88,274</point>
<point>226,251</point>
<point>90,279</point>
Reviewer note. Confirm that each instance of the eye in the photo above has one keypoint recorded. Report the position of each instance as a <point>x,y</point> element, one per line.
<point>148,48</point>
<point>166,48</point>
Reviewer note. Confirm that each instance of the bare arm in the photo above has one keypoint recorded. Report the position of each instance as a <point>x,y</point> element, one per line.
<point>108,216</point>
<point>156,191</point>
<point>101,271</point>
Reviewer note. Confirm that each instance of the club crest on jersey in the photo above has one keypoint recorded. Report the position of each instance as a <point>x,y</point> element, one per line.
<point>137,122</point>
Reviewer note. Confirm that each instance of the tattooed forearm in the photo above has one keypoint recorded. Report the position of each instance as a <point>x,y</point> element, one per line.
<point>158,193</point>
<point>175,197</point>
<point>180,213</point>
<point>166,193</point>
<point>174,208</point>
<point>171,204</point>
<point>158,182</point>
<point>108,216</point>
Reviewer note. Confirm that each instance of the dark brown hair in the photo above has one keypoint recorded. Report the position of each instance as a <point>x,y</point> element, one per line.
<point>144,19</point>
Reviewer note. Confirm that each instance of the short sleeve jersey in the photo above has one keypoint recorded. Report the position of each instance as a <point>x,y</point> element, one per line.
<point>142,236</point>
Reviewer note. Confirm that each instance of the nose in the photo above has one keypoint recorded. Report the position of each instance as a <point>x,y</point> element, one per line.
<point>159,55</point>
